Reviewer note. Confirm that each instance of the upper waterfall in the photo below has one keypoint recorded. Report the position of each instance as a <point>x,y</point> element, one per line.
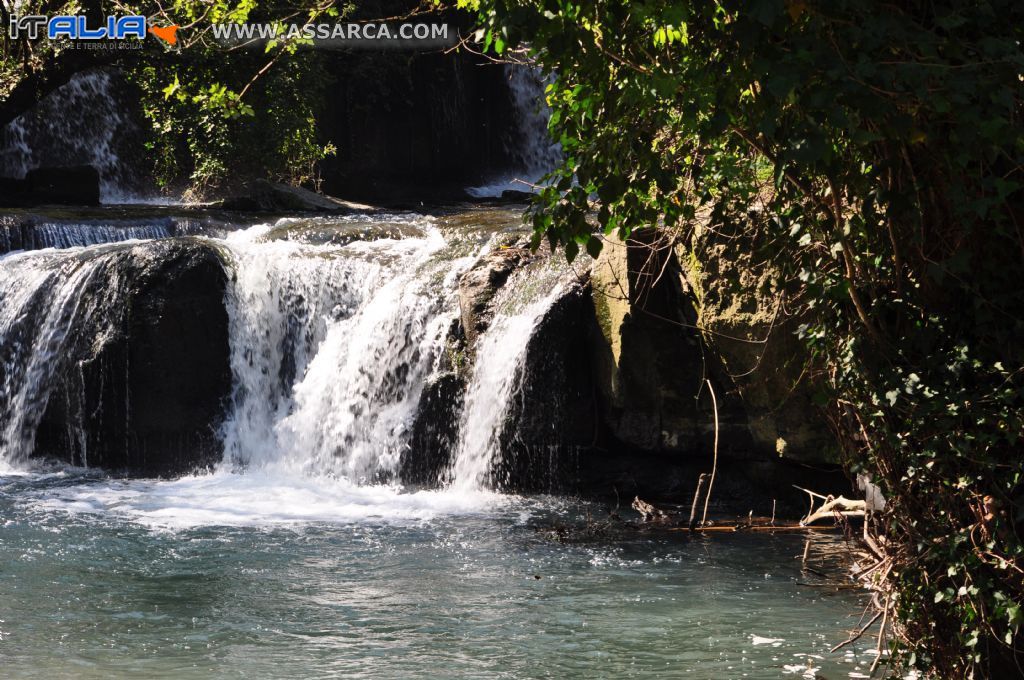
<point>83,122</point>
<point>533,152</point>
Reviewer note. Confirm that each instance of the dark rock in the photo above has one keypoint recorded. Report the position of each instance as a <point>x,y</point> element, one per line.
<point>515,196</point>
<point>13,191</point>
<point>266,196</point>
<point>143,386</point>
<point>555,418</point>
<point>77,185</point>
<point>478,286</point>
<point>435,432</point>
<point>414,126</point>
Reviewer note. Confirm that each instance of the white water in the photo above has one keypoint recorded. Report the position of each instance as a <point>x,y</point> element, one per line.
<point>79,123</point>
<point>64,235</point>
<point>331,349</point>
<point>265,496</point>
<point>533,151</point>
<point>41,303</point>
<point>499,371</point>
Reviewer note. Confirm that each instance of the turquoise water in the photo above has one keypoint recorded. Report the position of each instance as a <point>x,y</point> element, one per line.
<point>254,576</point>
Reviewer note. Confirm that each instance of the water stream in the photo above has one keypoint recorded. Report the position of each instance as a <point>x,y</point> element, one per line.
<point>304,553</point>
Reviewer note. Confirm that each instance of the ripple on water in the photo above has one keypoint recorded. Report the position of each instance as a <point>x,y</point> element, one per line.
<point>263,575</point>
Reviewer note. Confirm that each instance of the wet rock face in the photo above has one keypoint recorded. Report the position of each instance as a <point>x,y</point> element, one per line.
<point>556,417</point>
<point>143,387</point>
<point>479,285</point>
<point>435,431</point>
<point>77,185</point>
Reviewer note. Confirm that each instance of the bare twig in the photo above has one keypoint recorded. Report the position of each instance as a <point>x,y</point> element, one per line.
<point>714,464</point>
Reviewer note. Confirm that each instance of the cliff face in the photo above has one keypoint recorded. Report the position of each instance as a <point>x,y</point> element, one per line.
<point>743,314</point>
<point>673,318</point>
<point>412,126</point>
<point>620,373</point>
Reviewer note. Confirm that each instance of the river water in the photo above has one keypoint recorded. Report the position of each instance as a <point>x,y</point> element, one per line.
<point>294,558</point>
<point>256,576</point>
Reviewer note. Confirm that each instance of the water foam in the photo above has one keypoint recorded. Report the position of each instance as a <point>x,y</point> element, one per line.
<point>270,496</point>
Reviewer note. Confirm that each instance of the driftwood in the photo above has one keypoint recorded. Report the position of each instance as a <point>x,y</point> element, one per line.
<point>836,507</point>
<point>831,507</point>
<point>696,499</point>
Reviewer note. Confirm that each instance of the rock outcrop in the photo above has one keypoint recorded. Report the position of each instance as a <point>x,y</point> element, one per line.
<point>479,285</point>
<point>266,196</point>
<point>741,310</point>
<point>142,387</point>
<point>77,185</point>
<point>616,397</point>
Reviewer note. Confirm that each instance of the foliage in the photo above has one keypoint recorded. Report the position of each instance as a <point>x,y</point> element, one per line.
<point>874,152</point>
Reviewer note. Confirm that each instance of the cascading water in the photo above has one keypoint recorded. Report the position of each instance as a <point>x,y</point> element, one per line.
<point>331,347</point>
<point>534,153</point>
<point>499,371</point>
<point>40,234</point>
<point>336,325</point>
<point>47,299</point>
<point>79,123</point>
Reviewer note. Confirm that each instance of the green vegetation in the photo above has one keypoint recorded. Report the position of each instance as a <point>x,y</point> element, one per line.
<point>873,152</point>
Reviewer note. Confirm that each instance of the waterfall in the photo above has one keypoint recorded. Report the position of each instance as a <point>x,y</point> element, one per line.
<point>79,123</point>
<point>335,326</point>
<point>39,233</point>
<point>533,152</point>
<point>331,348</point>
<point>500,371</point>
<point>45,300</point>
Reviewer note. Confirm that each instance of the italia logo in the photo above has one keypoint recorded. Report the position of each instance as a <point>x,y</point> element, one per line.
<point>74,27</point>
<point>169,34</point>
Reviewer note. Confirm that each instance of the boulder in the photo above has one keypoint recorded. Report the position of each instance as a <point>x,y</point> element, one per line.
<point>554,420</point>
<point>435,430</point>
<point>142,386</point>
<point>266,196</point>
<point>517,196</point>
<point>479,285</point>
